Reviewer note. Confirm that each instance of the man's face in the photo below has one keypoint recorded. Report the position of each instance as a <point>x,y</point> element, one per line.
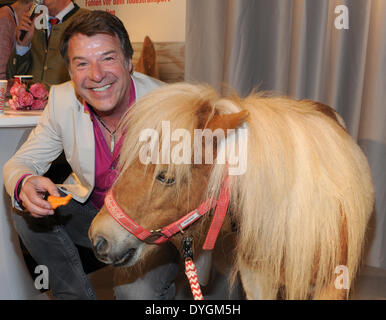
<point>99,71</point>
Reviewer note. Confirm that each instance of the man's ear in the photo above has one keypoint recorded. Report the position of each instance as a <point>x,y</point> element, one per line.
<point>129,66</point>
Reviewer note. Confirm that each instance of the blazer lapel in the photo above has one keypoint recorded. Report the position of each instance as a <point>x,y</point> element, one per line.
<point>85,145</point>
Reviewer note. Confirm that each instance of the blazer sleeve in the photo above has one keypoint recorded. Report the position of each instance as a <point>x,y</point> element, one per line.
<point>35,156</point>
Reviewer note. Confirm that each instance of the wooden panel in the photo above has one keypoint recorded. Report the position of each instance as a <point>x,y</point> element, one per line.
<point>170,59</point>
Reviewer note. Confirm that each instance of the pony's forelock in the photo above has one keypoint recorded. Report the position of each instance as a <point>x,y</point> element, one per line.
<point>176,104</point>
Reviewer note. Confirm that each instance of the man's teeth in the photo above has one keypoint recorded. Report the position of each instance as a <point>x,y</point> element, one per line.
<point>102,88</point>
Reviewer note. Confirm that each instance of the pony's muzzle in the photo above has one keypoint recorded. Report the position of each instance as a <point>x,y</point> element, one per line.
<point>105,252</point>
<point>111,243</point>
<point>101,246</point>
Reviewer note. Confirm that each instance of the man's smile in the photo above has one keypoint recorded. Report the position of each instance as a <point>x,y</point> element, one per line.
<point>100,89</point>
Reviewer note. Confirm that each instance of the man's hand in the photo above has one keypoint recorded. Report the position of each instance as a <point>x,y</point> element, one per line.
<point>31,195</point>
<point>27,25</point>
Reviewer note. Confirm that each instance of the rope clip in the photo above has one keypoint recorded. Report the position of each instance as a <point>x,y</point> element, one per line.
<point>187,247</point>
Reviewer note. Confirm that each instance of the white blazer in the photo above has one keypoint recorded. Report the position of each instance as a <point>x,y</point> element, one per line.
<point>64,125</point>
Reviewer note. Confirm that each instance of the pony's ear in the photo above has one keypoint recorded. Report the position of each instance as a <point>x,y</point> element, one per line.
<point>228,121</point>
<point>210,118</point>
<point>219,121</point>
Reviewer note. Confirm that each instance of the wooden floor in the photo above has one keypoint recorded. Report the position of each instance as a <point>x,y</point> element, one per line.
<point>370,285</point>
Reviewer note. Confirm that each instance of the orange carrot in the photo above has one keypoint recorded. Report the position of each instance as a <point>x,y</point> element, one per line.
<point>59,201</point>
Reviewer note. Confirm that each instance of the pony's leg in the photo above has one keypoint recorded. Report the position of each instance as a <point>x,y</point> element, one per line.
<point>256,285</point>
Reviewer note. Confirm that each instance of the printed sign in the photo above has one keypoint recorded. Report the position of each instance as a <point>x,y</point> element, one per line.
<point>161,20</point>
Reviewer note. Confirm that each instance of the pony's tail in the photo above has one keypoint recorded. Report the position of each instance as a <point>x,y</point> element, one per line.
<point>292,268</point>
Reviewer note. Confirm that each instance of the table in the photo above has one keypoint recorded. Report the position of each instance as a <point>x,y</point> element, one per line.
<point>15,280</point>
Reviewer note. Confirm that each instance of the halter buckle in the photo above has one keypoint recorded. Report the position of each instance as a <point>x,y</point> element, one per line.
<point>155,235</point>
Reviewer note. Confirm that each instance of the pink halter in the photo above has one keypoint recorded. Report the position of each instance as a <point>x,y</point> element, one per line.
<point>164,234</point>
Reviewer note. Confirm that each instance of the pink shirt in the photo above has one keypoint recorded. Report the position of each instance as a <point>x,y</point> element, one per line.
<point>105,162</point>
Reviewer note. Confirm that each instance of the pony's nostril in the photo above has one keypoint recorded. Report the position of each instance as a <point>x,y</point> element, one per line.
<point>101,245</point>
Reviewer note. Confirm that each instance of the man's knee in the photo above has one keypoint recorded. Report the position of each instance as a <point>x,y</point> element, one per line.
<point>152,278</point>
<point>155,284</point>
<point>28,226</point>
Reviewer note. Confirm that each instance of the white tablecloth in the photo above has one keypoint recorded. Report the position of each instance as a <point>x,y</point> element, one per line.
<point>15,280</point>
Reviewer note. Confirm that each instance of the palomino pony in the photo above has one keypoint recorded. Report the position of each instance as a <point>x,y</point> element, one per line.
<point>298,209</point>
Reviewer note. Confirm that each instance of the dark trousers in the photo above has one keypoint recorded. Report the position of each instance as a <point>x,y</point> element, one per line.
<point>51,242</point>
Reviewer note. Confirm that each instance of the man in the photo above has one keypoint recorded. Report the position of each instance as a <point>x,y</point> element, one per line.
<point>38,53</point>
<point>9,17</point>
<point>83,119</point>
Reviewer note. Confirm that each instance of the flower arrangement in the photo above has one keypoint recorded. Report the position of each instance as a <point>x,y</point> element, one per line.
<point>24,98</point>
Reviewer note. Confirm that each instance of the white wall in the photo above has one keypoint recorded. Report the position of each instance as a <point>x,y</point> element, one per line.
<point>161,20</point>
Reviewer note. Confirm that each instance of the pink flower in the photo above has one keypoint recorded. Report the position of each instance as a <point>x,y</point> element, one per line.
<point>14,104</point>
<point>25,99</point>
<point>35,98</point>
<point>38,104</point>
<point>39,91</point>
<point>17,89</point>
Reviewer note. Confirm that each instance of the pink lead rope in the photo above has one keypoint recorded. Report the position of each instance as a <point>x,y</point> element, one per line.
<point>191,274</point>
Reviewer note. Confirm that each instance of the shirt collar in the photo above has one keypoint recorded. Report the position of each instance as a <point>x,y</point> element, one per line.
<point>66,10</point>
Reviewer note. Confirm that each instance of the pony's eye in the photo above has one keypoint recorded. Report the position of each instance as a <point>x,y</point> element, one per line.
<point>162,178</point>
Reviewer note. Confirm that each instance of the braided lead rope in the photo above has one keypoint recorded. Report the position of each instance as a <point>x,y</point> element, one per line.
<point>191,273</point>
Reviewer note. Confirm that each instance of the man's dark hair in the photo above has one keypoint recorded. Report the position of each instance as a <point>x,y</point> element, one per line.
<point>95,22</point>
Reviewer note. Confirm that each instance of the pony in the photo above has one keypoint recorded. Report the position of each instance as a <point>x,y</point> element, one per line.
<point>298,212</point>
